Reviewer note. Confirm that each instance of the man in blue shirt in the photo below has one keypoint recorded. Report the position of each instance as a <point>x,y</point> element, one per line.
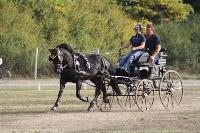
<point>137,43</point>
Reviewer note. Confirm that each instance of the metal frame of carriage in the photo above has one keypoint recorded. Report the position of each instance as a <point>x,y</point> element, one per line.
<point>140,85</point>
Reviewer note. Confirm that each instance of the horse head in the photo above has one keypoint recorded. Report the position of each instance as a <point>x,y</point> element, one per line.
<point>61,59</point>
<point>56,58</point>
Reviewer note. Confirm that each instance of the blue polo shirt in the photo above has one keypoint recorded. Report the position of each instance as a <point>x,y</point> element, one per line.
<point>137,40</point>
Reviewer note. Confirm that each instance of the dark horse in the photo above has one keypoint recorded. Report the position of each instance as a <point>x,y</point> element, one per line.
<point>73,67</point>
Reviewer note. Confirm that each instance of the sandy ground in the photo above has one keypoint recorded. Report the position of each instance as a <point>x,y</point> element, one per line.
<point>185,118</point>
<point>55,83</point>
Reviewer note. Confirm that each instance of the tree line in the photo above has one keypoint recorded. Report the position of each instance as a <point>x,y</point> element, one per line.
<point>90,24</point>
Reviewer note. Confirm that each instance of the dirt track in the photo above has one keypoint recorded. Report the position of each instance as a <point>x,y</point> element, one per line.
<point>185,118</point>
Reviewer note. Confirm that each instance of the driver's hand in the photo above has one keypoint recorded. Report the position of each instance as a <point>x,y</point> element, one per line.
<point>133,48</point>
<point>152,58</point>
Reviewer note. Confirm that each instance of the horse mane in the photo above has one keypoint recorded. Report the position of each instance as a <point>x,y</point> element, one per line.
<point>66,47</point>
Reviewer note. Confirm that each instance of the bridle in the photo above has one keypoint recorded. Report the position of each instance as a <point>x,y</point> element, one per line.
<point>55,53</point>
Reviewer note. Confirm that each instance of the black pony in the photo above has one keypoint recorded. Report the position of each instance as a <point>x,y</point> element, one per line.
<point>76,68</point>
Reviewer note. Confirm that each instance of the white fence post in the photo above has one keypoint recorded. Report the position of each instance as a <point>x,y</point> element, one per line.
<point>36,62</point>
<point>39,86</point>
<point>97,51</point>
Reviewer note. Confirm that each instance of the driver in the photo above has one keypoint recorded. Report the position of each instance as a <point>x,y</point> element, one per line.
<point>137,43</point>
<point>152,43</point>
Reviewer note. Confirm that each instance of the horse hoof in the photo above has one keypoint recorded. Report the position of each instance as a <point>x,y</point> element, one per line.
<point>118,92</point>
<point>89,109</point>
<point>53,109</point>
<point>106,100</point>
<point>87,99</point>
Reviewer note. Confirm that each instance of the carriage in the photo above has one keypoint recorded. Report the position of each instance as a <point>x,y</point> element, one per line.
<point>140,84</point>
<point>137,86</point>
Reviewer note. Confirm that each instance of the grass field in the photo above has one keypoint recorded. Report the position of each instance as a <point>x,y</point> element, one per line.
<point>33,101</point>
<point>28,110</point>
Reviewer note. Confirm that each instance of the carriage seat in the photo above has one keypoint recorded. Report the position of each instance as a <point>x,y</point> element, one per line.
<point>144,58</point>
<point>142,68</point>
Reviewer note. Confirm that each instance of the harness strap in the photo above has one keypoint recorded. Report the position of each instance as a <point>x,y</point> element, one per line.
<point>104,64</point>
<point>77,63</point>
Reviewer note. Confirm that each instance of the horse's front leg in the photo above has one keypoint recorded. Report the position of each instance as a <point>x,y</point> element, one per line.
<point>62,86</point>
<point>78,88</point>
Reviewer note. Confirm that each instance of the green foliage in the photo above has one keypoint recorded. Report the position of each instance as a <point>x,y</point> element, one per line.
<point>86,25</point>
<point>156,11</point>
<point>183,43</point>
<point>19,34</point>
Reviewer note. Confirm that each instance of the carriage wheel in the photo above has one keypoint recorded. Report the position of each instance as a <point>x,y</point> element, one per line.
<point>101,104</point>
<point>127,99</point>
<point>145,95</point>
<point>171,89</point>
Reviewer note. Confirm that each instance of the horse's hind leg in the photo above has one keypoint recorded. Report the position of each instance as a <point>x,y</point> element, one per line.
<point>62,86</point>
<point>104,93</point>
<point>78,88</point>
<point>115,86</point>
<point>97,93</point>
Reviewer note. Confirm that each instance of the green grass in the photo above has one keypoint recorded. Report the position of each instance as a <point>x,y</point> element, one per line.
<point>16,102</point>
<point>190,76</point>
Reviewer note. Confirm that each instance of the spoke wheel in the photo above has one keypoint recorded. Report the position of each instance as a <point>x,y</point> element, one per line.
<point>171,89</point>
<point>127,99</point>
<point>4,75</point>
<point>145,95</point>
<point>106,105</point>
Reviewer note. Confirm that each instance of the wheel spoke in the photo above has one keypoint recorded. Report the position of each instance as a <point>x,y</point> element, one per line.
<point>140,99</point>
<point>167,95</point>
<point>148,101</point>
<point>177,94</point>
<point>172,101</point>
<point>129,99</point>
<point>168,101</point>
<point>125,100</point>
<point>175,99</point>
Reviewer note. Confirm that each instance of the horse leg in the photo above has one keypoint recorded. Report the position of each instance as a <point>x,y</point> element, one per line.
<point>62,86</point>
<point>115,86</point>
<point>103,85</point>
<point>78,88</point>
<point>97,93</point>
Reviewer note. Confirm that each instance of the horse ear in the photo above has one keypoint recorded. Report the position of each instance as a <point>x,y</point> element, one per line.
<point>50,50</point>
